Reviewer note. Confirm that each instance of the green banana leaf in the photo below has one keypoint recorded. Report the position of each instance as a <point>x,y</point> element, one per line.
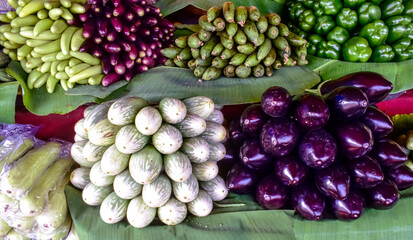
<point>98,91</point>
<point>8,94</point>
<point>265,6</point>
<point>160,82</point>
<point>238,217</point>
<point>399,73</point>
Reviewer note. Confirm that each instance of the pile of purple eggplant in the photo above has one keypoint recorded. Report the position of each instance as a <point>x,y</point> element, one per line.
<point>321,155</point>
<point>127,35</point>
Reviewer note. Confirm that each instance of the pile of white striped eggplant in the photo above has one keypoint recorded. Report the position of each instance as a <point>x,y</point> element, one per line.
<point>138,161</point>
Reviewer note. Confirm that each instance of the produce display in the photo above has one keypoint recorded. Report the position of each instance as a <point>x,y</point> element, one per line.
<point>320,152</point>
<point>33,176</point>
<point>37,35</point>
<point>127,35</point>
<point>237,42</point>
<point>72,43</point>
<point>138,161</point>
<point>355,30</point>
<point>325,152</point>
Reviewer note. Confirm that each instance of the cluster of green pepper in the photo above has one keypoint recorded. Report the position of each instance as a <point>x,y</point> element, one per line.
<point>355,30</point>
<point>237,42</point>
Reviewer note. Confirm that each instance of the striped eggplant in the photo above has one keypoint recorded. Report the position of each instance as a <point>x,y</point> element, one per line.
<point>172,110</point>
<point>145,165</point>
<point>177,166</point>
<point>123,111</point>
<point>129,140</point>
<point>148,120</point>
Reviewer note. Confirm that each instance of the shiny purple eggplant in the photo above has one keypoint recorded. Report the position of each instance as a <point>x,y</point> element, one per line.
<point>402,176</point>
<point>379,123</point>
<point>241,179</point>
<point>276,101</point>
<point>318,149</point>
<point>334,181</point>
<point>252,119</point>
<point>308,202</point>
<point>279,136</point>
<point>271,194</point>
<point>253,156</point>
<point>354,139</point>
<point>290,170</point>
<point>347,102</point>
<point>350,208</point>
<point>310,111</point>
<point>365,172</point>
<point>388,153</point>
<point>236,134</point>
<point>374,85</point>
<point>383,196</point>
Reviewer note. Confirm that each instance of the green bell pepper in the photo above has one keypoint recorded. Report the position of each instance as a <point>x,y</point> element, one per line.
<point>376,33</point>
<point>368,12</point>
<point>324,25</point>
<point>408,8</point>
<point>306,20</point>
<point>409,31</point>
<point>383,53</point>
<point>327,7</point>
<point>297,30</point>
<point>402,49</point>
<point>347,19</point>
<point>357,49</point>
<point>399,27</point>
<point>312,44</point>
<point>296,9</point>
<point>309,3</point>
<point>376,2</point>
<point>330,49</point>
<point>391,8</point>
<point>410,49</point>
<point>353,3</point>
<point>338,34</point>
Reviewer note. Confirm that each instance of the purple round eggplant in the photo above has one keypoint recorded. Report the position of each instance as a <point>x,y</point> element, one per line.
<point>347,102</point>
<point>365,172</point>
<point>310,111</point>
<point>374,85</point>
<point>383,196</point>
<point>402,176</point>
<point>271,194</point>
<point>276,101</point>
<point>308,202</point>
<point>252,119</point>
<point>334,181</point>
<point>236,134</point>
<point>318,149</point>
<point>388,153</point>
<point>290,170</point>
<point>231,157</point>
<point>379,123</point>
<point>253,156</point>
<point>354,139</point>
<point>279,136</point>
<point>241,179</point>
<point>350,208</point>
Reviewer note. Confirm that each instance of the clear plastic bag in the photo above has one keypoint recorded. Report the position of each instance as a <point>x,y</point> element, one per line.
<point>33,174</point>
